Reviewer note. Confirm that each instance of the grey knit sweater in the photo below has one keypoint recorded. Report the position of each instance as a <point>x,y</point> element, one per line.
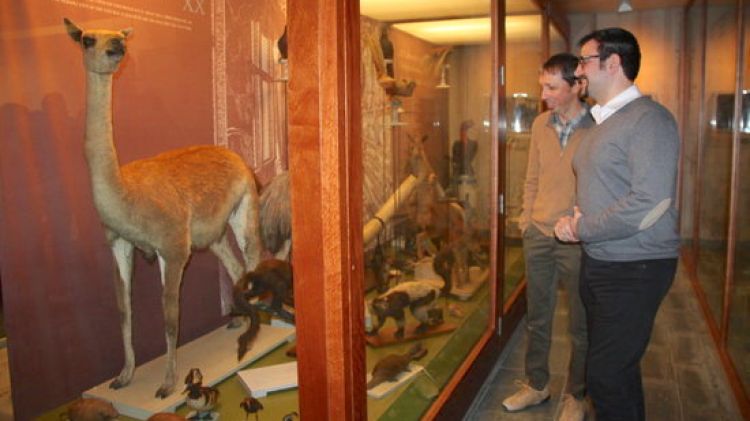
<point>626,172</point>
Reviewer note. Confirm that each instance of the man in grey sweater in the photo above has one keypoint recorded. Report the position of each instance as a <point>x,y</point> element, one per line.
<point>626,170</point>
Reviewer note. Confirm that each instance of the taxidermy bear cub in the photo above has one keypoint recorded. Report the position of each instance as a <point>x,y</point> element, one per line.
<point>419,296</point>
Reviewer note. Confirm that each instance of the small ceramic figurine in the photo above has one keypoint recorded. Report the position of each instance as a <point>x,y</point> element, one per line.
<point>388,369</point>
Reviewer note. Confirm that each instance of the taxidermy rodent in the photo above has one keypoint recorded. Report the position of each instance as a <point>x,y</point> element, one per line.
<point>91,409</point>
<point>272,277</point>
<point>419,296</point>
<point>388,369</point>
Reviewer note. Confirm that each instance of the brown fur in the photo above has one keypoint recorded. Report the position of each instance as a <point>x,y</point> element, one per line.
<point>166,205</point>
<point>91,409</point>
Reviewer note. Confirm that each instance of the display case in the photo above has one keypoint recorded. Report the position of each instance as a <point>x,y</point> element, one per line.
<point>378,154</point>
<point>714,184</point>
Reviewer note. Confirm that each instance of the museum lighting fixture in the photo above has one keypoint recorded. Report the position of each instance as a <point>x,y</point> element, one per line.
<point>450,31</point>
<point>624,6</point>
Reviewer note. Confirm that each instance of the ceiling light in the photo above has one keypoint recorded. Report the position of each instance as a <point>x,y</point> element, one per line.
<point>625,6</point>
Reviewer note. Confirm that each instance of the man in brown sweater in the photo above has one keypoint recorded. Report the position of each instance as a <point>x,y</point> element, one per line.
<point>549,194</point>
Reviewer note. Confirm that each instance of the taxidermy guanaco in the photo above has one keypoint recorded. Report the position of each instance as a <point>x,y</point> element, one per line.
<point>166,205</point>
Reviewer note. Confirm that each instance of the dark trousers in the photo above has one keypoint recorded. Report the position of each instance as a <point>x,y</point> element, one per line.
<point>621,300</point>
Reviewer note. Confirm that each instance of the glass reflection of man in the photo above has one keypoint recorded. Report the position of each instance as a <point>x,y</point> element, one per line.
<point>549,193</point>
<point>463,153</point>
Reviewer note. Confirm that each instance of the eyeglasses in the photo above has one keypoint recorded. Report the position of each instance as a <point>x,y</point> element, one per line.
<point>584,59</point>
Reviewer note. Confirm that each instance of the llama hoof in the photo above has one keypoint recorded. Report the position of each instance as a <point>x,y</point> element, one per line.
<point>164,391</point>
<point>234,323</point>
<point>118,384</point>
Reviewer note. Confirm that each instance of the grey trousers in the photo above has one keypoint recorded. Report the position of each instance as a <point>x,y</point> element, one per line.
<point>547,261</point>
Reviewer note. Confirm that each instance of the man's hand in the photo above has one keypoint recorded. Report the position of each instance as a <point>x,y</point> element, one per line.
<point>566,228</point>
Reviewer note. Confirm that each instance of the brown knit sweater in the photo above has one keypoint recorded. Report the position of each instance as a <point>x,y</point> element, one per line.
<point>549,189</point>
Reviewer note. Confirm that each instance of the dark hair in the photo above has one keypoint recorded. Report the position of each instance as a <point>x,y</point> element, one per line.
<point>617,41</point>
<point>565,63</point>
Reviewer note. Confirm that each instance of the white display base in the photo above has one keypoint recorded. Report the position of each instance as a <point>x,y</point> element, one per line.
<point>259,382</point>
<point>477,277</point>
<point>214,353</point>
<point>386,388</point>
<point>214,416</point>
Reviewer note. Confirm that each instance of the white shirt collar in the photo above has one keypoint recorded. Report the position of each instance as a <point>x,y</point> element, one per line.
<point>601,113</point>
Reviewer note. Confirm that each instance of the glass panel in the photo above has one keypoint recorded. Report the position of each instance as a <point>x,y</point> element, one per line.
<point>717,151</point>
<point>557,42</point>
<point>738,336</point>
<point>693,124</point>
<point>427,154</point>
<point>523,60</point>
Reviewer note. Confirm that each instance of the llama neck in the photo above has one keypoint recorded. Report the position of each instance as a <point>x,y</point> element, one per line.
<point>101,156</point>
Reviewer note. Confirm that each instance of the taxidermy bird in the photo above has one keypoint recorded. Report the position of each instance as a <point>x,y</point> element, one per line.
<point>251,406</point>
<point>387,47</point>
<point>388,369</point>
<point>201,399</point>
<point>290,416</point>
<point>91,409</point>
<point>282,44</point>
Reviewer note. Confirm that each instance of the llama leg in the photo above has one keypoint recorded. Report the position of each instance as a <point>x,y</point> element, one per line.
<point>171,275</point>
<point>245,226</point>
<point>123,253</point>
<point>223,251</point>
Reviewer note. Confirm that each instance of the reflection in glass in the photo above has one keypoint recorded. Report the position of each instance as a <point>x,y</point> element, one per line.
<point>557,43</point>
<point>738,335</point>
<point>716,154</point>
<point>523,60</point>
<point>427,164</point>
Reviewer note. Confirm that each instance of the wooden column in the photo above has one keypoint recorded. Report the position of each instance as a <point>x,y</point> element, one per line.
<point>326,184</point>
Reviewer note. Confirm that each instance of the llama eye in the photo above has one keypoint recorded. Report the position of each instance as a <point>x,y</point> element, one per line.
<point>88,42</point>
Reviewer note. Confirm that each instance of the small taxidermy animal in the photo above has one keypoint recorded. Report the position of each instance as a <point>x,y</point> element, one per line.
<point>388,369</point>
<point>201,399</point>
<point>421,299</point>
<point>272,277</point>
<point>166,416</point>
<point>91,409</point>
<point>251,406</point>
<point>290,416</point>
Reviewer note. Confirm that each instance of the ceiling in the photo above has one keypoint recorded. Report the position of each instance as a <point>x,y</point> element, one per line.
<point>605,6</point>
<point>451,22</point>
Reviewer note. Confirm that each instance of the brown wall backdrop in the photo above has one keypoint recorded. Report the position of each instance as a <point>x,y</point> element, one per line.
<point>58,296</point>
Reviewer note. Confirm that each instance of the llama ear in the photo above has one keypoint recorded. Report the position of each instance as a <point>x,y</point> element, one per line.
<point>127,32</point>
<point>74,31</point>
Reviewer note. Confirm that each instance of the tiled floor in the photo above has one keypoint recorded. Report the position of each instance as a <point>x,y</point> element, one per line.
<point>682,375</point>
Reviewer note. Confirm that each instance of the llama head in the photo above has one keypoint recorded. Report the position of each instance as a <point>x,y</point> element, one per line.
<point>103,50</point>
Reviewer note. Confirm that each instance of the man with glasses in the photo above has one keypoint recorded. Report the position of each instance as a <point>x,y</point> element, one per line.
<point>626,170</point>
<point>549,193</point>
